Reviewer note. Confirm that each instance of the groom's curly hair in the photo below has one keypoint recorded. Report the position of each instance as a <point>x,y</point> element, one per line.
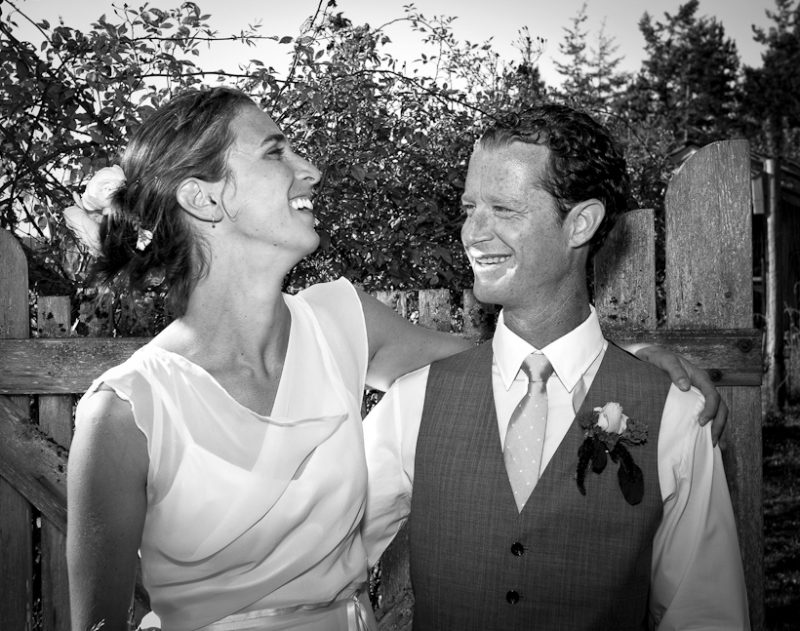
<point>584,160</point>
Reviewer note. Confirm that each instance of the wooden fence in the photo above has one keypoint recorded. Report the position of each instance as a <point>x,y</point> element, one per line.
<point>707,316</point>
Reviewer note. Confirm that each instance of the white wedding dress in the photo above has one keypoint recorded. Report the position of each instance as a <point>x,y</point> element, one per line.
<point>254,520</point>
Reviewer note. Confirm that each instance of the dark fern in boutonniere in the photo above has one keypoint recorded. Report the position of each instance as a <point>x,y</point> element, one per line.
<point>607,431</point>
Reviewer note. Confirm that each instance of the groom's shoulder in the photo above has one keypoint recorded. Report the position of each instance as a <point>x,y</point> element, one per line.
<point>465,361</point>
<point>636,369</point>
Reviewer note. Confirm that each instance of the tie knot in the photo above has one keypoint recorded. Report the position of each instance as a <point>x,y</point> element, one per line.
<point>537,367</point>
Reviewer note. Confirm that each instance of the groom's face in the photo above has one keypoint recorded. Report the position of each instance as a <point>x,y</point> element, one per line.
<point>512,234</point>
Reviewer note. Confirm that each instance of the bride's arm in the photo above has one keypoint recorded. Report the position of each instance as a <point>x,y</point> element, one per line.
<point>106,505</point>
<point>396,346</point>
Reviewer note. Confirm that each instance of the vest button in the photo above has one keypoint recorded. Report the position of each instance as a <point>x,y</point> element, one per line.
<point>517,549</point>
<point>512,597</point>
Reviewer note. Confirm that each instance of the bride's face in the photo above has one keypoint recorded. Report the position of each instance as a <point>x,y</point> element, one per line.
<point>268,194</point>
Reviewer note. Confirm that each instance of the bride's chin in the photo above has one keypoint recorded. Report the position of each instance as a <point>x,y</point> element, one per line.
<point>313,244</point>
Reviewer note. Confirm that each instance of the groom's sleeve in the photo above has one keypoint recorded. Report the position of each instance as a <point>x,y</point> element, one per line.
<point>697,576</point>
<point>390,440</point>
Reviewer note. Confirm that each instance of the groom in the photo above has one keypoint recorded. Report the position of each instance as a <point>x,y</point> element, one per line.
<point>558,482</point>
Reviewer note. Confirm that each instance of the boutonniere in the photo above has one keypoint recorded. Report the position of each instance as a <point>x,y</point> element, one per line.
<point>607,431</point>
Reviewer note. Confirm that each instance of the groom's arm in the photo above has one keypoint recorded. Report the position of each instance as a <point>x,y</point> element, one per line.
<point>390,439</point>
<point>697,579</point>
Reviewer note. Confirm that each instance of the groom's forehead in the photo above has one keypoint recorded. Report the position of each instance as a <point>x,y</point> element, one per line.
<point>515,165</point>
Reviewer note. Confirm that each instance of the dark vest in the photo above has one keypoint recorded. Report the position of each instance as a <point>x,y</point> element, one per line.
<point>568,561</point>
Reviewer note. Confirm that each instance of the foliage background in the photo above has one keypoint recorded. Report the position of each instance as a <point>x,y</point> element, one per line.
<point>392,141</point>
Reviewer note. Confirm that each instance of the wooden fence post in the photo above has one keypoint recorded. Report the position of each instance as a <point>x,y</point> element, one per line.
<point>55,420</point>
<point>397,300</point>
<point>709,284</point>
<point>434,309</point>
<point>16,545</point>
<point>625,274</point>
<point>478,319</point>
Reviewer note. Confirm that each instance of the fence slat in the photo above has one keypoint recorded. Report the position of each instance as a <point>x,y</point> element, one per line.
<point>709,260</point>
<point>16,545</point>
<point>55,419</point>
<point>478,319</point>
<point>66,366</point>
<point>34,465</point>
<point>742,454</point>
<point>397,300</point>
<point>625,274</point>
<point>709,284</point>
<point>60,366</point>
<point>434,309</point>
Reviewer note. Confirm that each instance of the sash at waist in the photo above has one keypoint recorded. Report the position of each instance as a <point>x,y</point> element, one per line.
<point>357,606</point>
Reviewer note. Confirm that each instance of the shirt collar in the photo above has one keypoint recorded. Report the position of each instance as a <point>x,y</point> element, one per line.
<point>570,355</point>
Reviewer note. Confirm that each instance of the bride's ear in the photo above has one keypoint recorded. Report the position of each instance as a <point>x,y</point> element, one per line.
<point>584,220</point>
<point>197,198</point>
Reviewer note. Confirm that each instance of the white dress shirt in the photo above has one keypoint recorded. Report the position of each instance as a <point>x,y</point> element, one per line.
<point>697,580</point>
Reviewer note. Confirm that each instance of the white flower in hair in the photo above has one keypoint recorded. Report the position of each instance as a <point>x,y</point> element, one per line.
<point>143,238</point>
<point>85,216</point>
<point>101,188</point>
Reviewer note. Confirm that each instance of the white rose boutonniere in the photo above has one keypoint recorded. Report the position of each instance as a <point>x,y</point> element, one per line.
<point>607,431</point>
<point>611,419</point>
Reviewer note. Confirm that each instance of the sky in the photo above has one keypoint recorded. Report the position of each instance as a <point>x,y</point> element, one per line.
<point>476,22</point>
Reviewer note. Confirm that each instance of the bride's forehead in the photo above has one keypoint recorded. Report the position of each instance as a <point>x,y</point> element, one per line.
<point>252,125</point>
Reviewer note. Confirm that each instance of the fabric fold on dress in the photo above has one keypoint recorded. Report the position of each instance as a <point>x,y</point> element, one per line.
<point>237,498</point>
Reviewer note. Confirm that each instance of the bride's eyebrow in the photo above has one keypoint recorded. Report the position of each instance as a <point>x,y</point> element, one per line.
<point>276,137</point>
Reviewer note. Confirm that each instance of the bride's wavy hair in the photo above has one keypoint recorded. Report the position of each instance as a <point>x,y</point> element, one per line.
<point>187,137</point>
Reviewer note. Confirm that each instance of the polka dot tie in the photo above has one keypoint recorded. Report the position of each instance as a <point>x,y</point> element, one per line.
<point>522,450</point>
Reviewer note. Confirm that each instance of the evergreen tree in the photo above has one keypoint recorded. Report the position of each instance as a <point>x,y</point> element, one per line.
<point>592,79</point>
<point>771,108</point>
<point>688,82</point>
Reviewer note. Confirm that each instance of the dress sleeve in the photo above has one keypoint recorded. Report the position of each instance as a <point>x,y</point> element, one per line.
<point>131,384</point>
<point>338,309</point>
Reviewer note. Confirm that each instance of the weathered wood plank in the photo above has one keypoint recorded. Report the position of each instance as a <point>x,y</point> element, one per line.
<point>709,266</point>
<point>36,466</point>
<point>434,309</point>
<point>731,356</point>
<point>60,366</point>
<point>16,545</point>
<point>55,419</point>
<point>742,454</point>
<point>397,300</point>
<point>33,463</point>
<point>27,366</point>
<point>478,319</point>
<point>625,273</point>
<point>708,284</point>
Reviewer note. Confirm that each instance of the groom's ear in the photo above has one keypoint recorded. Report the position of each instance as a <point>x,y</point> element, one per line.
<point>583,221</point>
